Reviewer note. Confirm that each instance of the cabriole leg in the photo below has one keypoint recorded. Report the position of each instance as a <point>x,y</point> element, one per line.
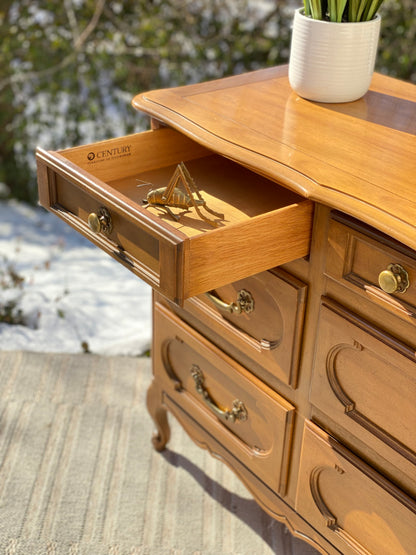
<point>159,415</point>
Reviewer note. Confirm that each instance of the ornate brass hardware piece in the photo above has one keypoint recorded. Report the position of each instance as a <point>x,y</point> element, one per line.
<point>173,196</point>
<point>238,412</point>
<point>394,280</point>
<point>244,303</point>
<point>101,221</point>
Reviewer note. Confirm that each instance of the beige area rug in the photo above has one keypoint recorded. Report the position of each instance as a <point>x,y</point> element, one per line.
<point>78,474</point>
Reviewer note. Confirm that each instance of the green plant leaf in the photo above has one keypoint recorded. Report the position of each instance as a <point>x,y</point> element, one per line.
<point>372,9</point>
<point>316,9</point>
<point>336,10</point>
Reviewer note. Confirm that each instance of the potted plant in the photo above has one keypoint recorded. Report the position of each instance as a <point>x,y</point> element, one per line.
<point>333,50</point>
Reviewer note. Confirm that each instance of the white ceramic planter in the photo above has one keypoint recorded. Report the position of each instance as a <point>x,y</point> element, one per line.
<point>332,62</point>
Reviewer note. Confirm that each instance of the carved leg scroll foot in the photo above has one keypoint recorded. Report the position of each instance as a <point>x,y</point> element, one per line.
<point>159,415</point>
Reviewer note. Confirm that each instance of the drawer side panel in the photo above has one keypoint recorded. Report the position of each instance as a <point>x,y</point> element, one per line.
<point>251,247</point>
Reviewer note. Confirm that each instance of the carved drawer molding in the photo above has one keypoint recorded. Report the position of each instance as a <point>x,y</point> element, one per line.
<point>271,332</point>
<point>365,380</point>
<point>348,502</point>
<point>250,419</point>
<point>373,265</point>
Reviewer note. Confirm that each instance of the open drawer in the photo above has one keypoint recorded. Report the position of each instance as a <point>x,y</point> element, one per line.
<point>105,183</point>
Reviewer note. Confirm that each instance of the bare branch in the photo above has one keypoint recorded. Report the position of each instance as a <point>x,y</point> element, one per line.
<point>91,25</point>
<point>28,75</point>
<point>78,44</point>
<point>72,19</point>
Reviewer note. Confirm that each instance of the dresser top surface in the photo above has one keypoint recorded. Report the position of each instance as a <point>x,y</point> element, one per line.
<point>357,157</point>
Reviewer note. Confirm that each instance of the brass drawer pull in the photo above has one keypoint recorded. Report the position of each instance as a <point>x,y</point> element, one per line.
<point>394,280</point>
<point>238,412</point>
<point>101,221</point>
<point>244,303</point>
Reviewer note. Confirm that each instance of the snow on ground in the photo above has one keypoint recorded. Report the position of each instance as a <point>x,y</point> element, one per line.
<point>73,296</point>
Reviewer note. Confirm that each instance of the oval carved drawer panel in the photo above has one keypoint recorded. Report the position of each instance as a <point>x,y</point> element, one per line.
<point>115,193</point>
<point>245,415</point>
<point>347,501</point>
<point>270,330</point>
<point>365,380</point>
<point>366,262</point>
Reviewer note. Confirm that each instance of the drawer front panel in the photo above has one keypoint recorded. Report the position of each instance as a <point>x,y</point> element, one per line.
<point>262,316</point>
<point>216,210</point>
<point>127,238</point>
<point>353,506</point>
<point>250,419</point>
<point>357,260</point>
<point>365,380</point>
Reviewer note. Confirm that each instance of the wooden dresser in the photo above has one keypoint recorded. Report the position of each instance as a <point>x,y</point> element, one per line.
<point>284,338</point>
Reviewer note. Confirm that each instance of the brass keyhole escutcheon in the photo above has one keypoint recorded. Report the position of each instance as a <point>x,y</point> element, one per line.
<point>394,280</point>
<point>100,222</point>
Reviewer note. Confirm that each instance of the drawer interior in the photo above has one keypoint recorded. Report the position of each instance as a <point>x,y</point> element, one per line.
<point>134,165</point>
<point>250,225</point>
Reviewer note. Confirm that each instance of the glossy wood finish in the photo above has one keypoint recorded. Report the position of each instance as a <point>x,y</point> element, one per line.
<point>364,379</point>
<point>271,333</point>
<point>357,256</point>
<point>356,378</point>
<point>350,503</point>
<point>262,440</point>
<point>160,404</point>
<point>325,364</point>
<point>182,258</point>
<point>359,157</point>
